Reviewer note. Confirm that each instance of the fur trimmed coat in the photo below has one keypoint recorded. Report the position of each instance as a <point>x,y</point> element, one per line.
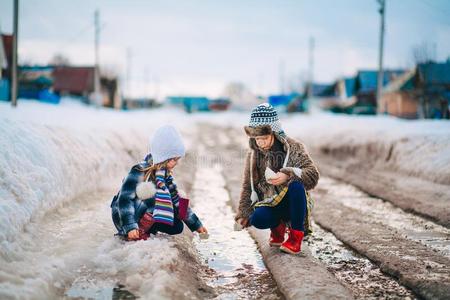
<point>299,167</point>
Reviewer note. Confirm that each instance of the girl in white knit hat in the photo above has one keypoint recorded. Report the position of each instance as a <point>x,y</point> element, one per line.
<point>148,201</point>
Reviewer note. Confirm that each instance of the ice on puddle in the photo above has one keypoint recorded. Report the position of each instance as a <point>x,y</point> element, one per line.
<point>204,236</point>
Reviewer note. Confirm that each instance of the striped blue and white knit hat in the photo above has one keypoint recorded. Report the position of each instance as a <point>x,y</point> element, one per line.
<point>265,114</point>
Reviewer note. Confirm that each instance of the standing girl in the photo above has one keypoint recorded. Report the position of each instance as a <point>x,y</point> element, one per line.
<point>148,201</point>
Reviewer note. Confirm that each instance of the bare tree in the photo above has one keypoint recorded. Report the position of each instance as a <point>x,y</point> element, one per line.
<point>59,60</point>
<point>235,91</point>
<point>423,53</point>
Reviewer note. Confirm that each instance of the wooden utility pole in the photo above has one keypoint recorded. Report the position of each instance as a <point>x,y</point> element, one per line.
<point>14,82</point>
<point>128,85</point>
<point>97,96</point>
<point>281,74</point>
<point>311,67</point>
<point>382,11</point>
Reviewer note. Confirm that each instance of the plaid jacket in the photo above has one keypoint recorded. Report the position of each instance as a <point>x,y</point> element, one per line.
<point>127,209</point>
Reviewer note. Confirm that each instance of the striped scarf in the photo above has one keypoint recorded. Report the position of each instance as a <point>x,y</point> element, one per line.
<point>164,210</point>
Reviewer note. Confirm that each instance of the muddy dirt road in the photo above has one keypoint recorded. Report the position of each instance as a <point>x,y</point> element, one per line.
<point>362,247</point>
<point>371,248</point>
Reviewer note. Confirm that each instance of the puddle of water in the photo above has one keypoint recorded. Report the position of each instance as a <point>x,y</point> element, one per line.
<point>363,278</point>
<point>99,291</point>
<point>89,286</point>
<point>413,227</point>
<point>238,268</point>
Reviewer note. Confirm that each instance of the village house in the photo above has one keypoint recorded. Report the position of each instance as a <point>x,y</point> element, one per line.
<point>366,89</point>
<point>424,92</point>
<point>79,81</point>
<point>356,95</point>
<point>5,66</point>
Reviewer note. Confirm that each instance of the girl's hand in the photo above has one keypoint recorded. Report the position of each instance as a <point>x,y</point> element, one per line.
<point>202,230</point>
<point>280,179</point>
<point>133,234</point>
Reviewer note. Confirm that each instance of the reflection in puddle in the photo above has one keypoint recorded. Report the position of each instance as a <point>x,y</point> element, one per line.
<point>238,270</point>
<point>97,291</point>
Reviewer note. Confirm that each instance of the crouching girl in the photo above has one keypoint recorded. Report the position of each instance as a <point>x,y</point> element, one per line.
<point>278,173</point>
<point>148,201</point>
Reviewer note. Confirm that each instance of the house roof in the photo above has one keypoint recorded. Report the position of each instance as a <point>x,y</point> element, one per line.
<point>74,79</point>
<point>402,82</point>
<point>350,84</point>
<point>435,73</point>
<point>322,90</point>
<point>366,81</point>
<point>3,60</point>
<point>41,75</point>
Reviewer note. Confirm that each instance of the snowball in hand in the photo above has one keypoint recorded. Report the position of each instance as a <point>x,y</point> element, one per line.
<point>270,174</point>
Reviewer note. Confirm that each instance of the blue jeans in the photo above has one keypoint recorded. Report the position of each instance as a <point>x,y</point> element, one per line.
<point>292,208</point>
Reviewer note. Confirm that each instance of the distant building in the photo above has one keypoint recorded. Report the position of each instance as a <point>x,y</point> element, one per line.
<point>423,92</point>
<point>357,95</point>
<point>219,104</point>
<point>277,100</point>
<point>139,103</point>
<point>79,81</point>
<point>340,96</point>
<point>366,88</point>
<point>190,104</point>
<point>35,82</point>
<point>315,96</point>
<point>5,66</point>
<point>6,55</point>
<point>75,81</point>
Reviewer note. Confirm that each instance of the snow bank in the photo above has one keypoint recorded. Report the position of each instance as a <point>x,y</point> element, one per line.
<point>76,248</point>
<point>51,154</point>
<point>417,148</point>
<point>145,265</point>
<point>55,159</point>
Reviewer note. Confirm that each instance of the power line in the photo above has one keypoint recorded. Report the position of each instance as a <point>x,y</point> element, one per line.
<point>69,42</point>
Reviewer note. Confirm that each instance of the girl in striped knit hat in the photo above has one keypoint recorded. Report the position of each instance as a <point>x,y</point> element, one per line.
<point>277,177</point>
<point>149,201</point>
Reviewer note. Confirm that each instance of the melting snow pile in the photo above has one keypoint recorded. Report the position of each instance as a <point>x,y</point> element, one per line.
<point>419,148</point>
<point>56,157</point>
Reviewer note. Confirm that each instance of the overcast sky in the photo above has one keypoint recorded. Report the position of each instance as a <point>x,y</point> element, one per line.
<point>196,47</point>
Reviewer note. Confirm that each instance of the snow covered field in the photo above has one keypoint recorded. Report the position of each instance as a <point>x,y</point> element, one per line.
<point>54,155</point>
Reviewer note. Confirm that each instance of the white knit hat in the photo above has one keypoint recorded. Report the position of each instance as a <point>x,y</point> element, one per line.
<point>165,144</point>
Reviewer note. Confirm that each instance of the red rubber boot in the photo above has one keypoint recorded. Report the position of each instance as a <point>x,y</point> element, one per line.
<point>277,235</point>
<point>293,244</point>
